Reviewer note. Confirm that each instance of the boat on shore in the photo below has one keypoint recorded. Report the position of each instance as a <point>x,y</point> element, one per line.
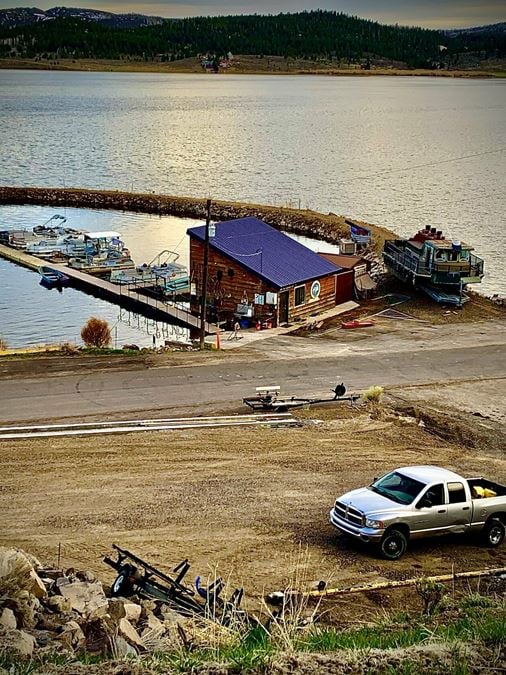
<point>53,278</point>
<point>439,267</point>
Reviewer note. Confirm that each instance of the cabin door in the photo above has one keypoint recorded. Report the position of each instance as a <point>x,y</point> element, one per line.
<point>283,307</point>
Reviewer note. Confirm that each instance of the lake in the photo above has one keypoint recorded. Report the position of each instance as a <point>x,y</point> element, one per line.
<point>399,152</point>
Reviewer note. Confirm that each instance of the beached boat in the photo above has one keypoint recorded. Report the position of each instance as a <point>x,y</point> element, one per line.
<point>52,278</point>
<point>440,267</point>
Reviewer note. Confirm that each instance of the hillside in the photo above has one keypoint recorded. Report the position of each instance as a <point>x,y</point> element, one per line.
<point>317,35</point>
<point>324,35</point>
<point>26,16</point>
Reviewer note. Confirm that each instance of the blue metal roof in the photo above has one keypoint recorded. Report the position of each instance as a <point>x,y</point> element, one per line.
<point>265,251</point>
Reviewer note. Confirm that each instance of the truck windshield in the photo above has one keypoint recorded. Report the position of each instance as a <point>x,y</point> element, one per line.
<point>397,487</point>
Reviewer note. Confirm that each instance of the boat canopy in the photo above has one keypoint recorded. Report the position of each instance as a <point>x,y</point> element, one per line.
<point>102,235</point>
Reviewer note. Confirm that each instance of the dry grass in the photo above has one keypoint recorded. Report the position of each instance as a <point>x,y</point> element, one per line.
<point>243,64</point>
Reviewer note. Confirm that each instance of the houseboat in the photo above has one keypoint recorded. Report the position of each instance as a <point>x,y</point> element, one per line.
<point>438,266</point>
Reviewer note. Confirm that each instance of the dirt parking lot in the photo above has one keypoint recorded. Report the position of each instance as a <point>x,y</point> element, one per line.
<point>251,502</point>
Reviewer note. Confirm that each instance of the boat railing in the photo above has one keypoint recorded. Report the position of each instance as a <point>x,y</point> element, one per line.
<point>477,266</point>
<point>399,256</point>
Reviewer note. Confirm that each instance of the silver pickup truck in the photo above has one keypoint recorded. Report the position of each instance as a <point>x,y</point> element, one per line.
<point>421,501</point>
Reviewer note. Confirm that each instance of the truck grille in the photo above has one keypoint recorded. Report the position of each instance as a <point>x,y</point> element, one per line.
<point>349,513</point>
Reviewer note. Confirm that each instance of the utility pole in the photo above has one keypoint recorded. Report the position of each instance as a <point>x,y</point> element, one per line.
<point>203,305</point>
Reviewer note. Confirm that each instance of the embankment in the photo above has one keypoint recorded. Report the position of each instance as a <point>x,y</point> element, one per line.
<point>326,227</point>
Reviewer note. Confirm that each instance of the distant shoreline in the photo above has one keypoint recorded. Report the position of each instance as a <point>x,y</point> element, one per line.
<point>192,67</point>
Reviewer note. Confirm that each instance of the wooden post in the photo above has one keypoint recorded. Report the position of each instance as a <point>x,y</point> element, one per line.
<point>203,305</point>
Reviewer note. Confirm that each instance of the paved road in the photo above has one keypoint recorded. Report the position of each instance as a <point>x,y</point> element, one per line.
<point>313,369</point>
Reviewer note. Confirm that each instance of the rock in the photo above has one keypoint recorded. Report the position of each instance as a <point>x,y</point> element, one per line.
<point>132,611</point>
<point>43,637</point>
<point>25,607</point>
<point>19,642</point>
<point>152,623</point>
<point>121,648</point>
<point>59,604</point>
<point>7,619</point>
<point>98,635</point>
<point>84,597</point>
<point>72,635</point>
<point>129,633</point>
<point>15,565</point>
<point>149,605</point>
<point>86,576</point>
<point>116,609</point>
<point>169,615</point>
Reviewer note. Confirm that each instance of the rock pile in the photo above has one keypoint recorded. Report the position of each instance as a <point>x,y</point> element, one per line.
<point>330,227</point>
<point>45,609</point>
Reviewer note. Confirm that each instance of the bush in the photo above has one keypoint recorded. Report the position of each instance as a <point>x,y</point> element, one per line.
<point>373,394</point>
<point>96,333</point>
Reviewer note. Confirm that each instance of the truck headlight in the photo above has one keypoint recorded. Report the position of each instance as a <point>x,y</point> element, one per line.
<point>374,524</point>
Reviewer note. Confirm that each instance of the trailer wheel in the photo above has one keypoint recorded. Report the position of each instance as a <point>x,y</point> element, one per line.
<point>493,533</point>
<point>122,584</point>
<point>394,544</point>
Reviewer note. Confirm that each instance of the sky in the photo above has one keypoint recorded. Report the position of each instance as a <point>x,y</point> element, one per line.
<point>428,13</point>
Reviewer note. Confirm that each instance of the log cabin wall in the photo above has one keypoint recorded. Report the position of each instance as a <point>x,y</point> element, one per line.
<point>229,284</point>
<point>325,301</point>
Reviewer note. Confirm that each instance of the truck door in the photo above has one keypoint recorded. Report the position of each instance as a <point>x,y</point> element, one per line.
<point>432,519</point>
<point>459,508</point>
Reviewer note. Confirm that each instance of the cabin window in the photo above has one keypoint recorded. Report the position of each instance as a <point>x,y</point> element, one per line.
<point>300,295</point>
<point>456,493</point>
<point>230,272</point>
<point>219,275</point>
<point>440,255</point>
<point>435,494</point>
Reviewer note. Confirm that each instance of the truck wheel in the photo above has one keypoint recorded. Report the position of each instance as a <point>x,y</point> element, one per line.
<point>394,544</point>
<point>493,533</point>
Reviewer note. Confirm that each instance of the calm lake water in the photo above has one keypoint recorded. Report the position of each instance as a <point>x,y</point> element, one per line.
<point>399,152</point>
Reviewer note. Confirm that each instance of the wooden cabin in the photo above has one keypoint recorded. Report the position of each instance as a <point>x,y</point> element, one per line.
<point>260,275</point>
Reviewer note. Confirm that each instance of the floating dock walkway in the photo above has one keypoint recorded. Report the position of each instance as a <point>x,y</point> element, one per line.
<point>113,292</point>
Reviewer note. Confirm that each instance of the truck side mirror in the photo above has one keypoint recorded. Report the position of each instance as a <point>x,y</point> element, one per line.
<point>424,503</point>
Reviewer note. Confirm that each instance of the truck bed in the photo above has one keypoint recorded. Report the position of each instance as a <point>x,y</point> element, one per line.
<point>500,490</point>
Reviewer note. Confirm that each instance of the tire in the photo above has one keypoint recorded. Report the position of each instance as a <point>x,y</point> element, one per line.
<point>122,586</point>
<point>394,544</point>
<point>493,533</point>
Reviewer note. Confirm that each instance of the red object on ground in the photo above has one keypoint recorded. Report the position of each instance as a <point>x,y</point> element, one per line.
<point>357,324</point>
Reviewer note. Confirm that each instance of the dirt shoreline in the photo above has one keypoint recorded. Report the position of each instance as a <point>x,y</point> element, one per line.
<point>253,503</point>
<point>103,65</point>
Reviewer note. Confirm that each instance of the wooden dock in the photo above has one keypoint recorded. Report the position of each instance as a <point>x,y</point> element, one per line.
<point>112,292</point>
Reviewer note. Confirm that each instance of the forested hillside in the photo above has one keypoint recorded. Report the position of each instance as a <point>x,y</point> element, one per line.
<point>313,35</point>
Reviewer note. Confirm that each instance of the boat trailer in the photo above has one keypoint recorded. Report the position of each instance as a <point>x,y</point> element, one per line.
<point>138,577</point>
<point>269,398</point>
